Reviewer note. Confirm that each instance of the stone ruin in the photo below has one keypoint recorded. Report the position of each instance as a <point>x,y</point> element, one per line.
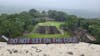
<point>47,30</point>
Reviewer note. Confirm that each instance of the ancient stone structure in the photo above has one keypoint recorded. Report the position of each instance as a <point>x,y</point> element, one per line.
<point>47,30</point>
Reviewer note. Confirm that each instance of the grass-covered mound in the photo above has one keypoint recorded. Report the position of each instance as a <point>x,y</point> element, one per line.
<point>64,34</point>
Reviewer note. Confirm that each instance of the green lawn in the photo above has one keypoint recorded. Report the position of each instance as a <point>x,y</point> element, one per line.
<point>36,35</point>
<point>49,23</point>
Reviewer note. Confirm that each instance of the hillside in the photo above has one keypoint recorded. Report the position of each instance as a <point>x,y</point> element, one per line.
<point>78,49</point>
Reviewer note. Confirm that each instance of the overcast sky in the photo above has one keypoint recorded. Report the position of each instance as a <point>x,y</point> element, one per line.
<point>92,5</point>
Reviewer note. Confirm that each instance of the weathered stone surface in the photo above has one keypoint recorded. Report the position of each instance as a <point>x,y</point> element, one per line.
<point>78,49</point>
<point>47,30</point>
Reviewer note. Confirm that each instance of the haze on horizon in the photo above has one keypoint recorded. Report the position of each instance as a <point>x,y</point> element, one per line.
<point>93,5</point>
<point>86,5</point>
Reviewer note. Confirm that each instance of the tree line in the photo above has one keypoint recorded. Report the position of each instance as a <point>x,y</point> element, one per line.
<point>14,25</point>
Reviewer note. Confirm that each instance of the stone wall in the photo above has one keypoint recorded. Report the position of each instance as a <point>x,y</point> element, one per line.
<point>47,30</point>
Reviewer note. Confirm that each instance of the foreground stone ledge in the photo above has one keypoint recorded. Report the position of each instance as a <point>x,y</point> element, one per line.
<point>68,49</point>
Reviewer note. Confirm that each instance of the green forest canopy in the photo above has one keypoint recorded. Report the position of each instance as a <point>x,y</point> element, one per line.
<point>14,25</point>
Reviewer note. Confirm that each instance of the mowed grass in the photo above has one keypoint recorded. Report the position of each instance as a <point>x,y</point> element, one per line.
<point>49,23</point>
<point>36,35</point>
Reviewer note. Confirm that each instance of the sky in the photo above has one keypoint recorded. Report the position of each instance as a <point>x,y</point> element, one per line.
<point>92,5</point>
